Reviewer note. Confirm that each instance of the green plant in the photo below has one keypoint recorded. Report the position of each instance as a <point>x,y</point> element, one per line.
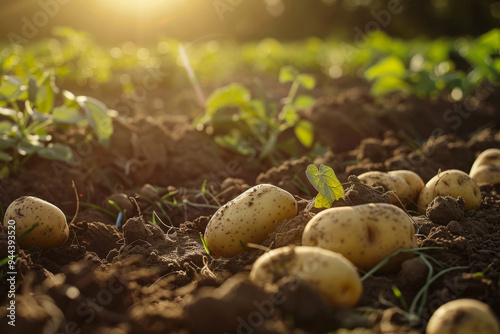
<point>416,308</point>
<point>326,183</point>
<point>27,114</point>
<point>253,126</point>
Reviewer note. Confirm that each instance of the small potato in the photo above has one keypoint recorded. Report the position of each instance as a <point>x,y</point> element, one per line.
<point>486,167</point>
<point>250,217</point>
<point>52,229</point>
<point>454,183</point>
<point>329,273</point>
<point>364,234</point>
<point>463,316</point>
<point>405,183</point>
<point>414,182</point>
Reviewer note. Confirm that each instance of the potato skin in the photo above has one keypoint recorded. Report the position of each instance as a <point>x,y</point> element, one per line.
<point>52,229</point>
<point>454,183</point>
<point>414,182</point>
<point>329,273</point>
<point>463,316</point>
<point>486,167</point>
<point>250,217</point>
<point>405,183</point>
<point>364,234</point>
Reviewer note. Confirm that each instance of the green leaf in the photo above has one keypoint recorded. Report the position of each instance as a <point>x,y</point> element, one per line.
<point>386,85</point>
<point>97,116</point>
<point>13,89</point>
<point>304,131</point>
<point>67,115</point>
<point>390,66</point>
<point>235,143</point>
<point>307,81</point>
<point>304,102</point>
<point>29,146</point>
<point>287,74</point>
<point>56,152</point>
<point>230,95</point>
<point>326,183</point>
<point>45,96</point>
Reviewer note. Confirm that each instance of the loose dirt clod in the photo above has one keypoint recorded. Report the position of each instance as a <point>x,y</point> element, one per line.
<point>444,209</point>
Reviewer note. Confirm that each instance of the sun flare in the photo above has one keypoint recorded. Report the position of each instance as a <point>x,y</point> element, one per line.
<point>148,12</point>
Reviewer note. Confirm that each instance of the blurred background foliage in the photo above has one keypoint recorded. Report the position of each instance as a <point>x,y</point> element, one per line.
<point>112,21</point>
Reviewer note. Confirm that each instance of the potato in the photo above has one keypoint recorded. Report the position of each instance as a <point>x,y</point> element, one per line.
<point>328,273</point>
<point>405,183</point>
<point>454,183</point>
<point>414,182</point>
<point>463,316</point>
<point>364,234</point>
<point>486,167</point>
<point>52,229</point>
<point>250,217</point>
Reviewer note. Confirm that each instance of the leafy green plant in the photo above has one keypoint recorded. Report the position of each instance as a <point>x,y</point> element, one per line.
<point>326,183</point>
<point>253,126</point>
<point>27,113</point>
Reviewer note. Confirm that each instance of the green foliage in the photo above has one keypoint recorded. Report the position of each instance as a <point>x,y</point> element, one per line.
<point>326,183</point>
<point>27,114</point>
<point>253,126</point>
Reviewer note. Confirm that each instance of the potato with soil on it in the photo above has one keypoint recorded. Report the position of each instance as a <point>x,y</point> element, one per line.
<point>364,234</point>
<point>328,273</point>
<point>463,316</point>
<point>52,229</point>
<point>486,167</point>
<point>405,183</point>
<point>248,218</point>
<point>454,183</point>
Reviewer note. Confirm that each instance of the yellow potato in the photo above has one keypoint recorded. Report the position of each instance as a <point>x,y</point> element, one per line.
<point>454,183</point>
<point>414,182</point>
<point>249,218</point>
<point>328,273</point>
<point>463,316</point>
<point>52,229</point>
<point>364,234</point>
<point>486,167</point>
<point>406,184</point>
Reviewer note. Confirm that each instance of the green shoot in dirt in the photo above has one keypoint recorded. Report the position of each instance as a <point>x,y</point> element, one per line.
<point>252,127</point>
<point>204,244</point>
<point>326,183</point>
<point>416,308</point>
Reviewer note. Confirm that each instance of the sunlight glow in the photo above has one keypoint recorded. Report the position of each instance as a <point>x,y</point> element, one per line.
<point>148,13</point>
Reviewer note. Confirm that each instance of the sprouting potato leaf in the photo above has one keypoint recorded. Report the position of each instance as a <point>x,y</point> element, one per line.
<point>326,183</point>
<point>304,131</point>
<point>57,152</point>
<point>230,95</point>
<point>98,117</point>
<point>387,67</point>
<point>307,81</point>
<point>287,74</point>
<point>304,101</point>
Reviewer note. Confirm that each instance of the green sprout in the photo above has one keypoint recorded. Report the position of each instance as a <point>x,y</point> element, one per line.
<point>326,183</point>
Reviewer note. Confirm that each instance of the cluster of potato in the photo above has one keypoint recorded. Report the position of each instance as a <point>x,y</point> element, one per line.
<point>337,242</point>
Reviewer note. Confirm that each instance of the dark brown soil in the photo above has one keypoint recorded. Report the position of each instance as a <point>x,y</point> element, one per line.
<point>136,276</point>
